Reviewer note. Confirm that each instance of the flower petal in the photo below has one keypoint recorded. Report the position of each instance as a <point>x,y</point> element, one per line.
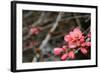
<point>84,50</point>
<point>64,57</point>
<point>71,55</point>
<point>57,51</point>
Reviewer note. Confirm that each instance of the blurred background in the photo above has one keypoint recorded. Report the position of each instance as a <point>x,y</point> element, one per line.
<point>43,31</point>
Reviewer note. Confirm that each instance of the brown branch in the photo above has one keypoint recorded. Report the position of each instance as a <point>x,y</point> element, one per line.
<point>87,19</point>
<point>51,30</point>
<point>78,22</point>
<point>28,14</point>
<point>87,30</point>
<point>50,25</point>
<point>40,20</point>
<point>47,38</point>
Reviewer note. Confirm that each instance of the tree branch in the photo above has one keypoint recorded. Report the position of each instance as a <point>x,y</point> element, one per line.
<point>50,25</point>
<point>47,38</point>
<point>45,41</point>
<point>78,22</point>
<point>28,14</point>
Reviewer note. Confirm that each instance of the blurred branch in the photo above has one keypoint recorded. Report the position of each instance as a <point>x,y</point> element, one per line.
<point>65,20</point>
<point>42,19</point>
<point>75,17</point>
<point>50,25</point>
<point>44,42</point>
<point>47,38</point>
<point>87,19</point>
<point>78,22</point>
<point>28,14</point>
<point>87,30</point>
<point>58,36</point>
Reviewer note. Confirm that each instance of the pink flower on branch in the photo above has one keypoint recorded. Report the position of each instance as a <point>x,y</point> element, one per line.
<point>67,38</point>
<point>74,40</point>
<point>84,50</point>
<point>57,51</point>
<point>88,44</point>
<point>89,35</point>
<point>73,35</point>
<point>34,30</point>
<point>64,56</point>
<point>72,44</point>
<point>83,44</point>
<point>71,55</point>
<point>82,39</point>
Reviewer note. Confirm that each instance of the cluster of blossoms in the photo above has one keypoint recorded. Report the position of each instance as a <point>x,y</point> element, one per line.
<point>35,30</point>
<point>75,40</point>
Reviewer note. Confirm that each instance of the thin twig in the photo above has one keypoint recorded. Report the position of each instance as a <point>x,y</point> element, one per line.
<point>40,20</point>
<point>50,25</point>
<point>28,14</point>
<point>87,19</point>
<point>52,29</point>
<point>87,30</point>
<point>47,38</point>
<point>78,22</point>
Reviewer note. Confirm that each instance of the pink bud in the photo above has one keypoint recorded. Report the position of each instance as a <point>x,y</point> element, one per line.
<point>82,37</point>
<point>81,40</point>
<point>57,51</point>
<point>34,30</point>
<point>71,55</point>
<point>67,38</point>
<point>89,35</point>
<point>84,50</point>
<point>64,57</point>
<point>88,44</point>
<point>83,44</point>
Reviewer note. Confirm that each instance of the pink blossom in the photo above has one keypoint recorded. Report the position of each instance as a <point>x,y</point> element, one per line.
<point>84,50</point>
<point>72,45</point>
<point>57,51</point>
<point>71,55</point>
<point>34,30</point>
<point>67,38</point>
<point>89,35</point>
<point>78,43</point>
<point>76,34</point>
<point>88,44</point>
<point>74,40</point>
<point>83,44</point>
<point>82,39</point>
<point>64,56</point>
<point>73,37</point>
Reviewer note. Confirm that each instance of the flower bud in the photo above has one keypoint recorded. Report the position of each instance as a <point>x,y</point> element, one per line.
<point>57,51</point>
<point>88,44</point>
<point>64,57</point>
<point>71,55</point>
<point>84,50</point>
